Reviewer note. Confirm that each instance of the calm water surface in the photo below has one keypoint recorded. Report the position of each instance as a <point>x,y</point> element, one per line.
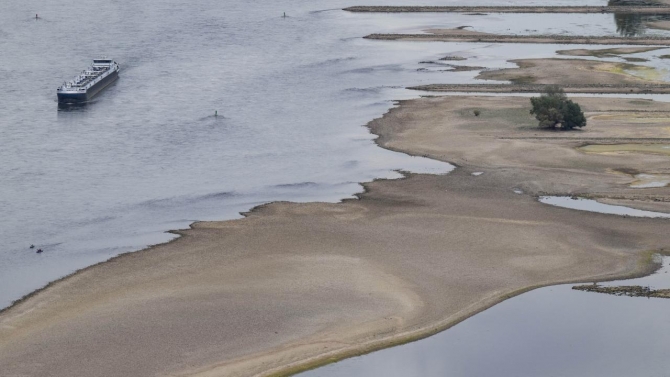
<point>552,331</point>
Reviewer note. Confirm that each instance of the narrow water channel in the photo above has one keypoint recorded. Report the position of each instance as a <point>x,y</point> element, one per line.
<point>554,331</point>
<point>591,205</point>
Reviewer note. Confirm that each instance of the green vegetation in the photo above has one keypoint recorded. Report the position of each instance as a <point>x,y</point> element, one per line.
<point>553,109</point>
<point>523,80</point>
<point>476,112</point>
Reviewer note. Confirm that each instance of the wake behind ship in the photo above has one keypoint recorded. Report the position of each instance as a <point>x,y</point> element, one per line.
<point>89,83</point>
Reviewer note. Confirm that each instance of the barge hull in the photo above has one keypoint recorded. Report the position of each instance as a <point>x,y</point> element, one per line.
<point>83,97</point>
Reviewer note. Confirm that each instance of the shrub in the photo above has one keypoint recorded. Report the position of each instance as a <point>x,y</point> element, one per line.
<point>553,109</point>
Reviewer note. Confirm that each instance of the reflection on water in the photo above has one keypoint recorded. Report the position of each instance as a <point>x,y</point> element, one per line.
<point>632,25</point>
<point>553,331</point>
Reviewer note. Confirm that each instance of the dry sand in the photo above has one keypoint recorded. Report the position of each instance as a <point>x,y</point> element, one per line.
<point>504,136</point>
<point>297,284</point>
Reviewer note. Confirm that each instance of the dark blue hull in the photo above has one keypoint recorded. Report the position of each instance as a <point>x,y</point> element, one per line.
<point>83,97</point>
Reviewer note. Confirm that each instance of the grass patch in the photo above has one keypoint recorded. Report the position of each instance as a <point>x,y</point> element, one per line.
<point>523,80</point>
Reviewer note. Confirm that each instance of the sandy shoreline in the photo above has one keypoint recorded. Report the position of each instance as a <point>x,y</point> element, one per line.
<point>294,285</point>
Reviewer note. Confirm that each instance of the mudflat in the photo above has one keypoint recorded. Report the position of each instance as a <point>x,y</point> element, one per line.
<point>294,285</point>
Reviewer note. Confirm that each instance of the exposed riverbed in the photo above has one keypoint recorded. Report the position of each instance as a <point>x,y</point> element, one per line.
<point>553,331</point>
<point>148,155</point>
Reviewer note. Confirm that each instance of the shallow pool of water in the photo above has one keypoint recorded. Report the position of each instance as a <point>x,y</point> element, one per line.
<point>595,206</point>
<point>554,331</point>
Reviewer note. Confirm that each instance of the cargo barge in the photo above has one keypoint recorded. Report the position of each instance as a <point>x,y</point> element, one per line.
<point>89,83</point>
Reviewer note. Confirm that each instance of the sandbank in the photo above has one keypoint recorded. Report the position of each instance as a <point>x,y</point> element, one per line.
<point>293,285</point>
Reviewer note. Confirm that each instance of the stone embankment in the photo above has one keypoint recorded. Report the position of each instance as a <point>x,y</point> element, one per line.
<point>505,38</point>
<point>641,9</point>
<point>630,291</point>
<point>539,88</point>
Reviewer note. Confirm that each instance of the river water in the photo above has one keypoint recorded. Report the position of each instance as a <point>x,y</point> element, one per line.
<point>292,94</point>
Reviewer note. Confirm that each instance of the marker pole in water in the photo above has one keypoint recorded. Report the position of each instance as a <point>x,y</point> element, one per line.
<point>216,113</point>
<point>284,14</point>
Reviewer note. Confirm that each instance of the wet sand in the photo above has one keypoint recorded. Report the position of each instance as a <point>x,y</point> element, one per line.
<point>294,285</point>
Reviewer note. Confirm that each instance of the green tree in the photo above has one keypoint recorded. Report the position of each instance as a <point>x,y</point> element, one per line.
<point>553,108</point>
<point>573,117</point>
